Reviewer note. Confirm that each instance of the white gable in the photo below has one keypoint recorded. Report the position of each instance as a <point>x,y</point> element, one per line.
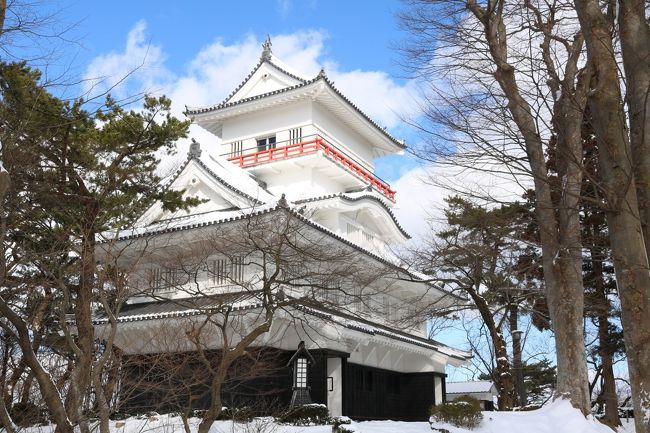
<point>219,183</point>
<point>267,78</point>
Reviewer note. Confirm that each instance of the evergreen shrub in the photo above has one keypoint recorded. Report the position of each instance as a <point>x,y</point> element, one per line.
<point>342,424</point>
<point>465,412</point>
<point>309,414</point>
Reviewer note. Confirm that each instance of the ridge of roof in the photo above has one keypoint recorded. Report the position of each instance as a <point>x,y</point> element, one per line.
<point>363,114</point>
<point>226,104</point>
<point>243,83</point>
<point>345,196</point>
<point>224,182</point>
<point>250,75</point>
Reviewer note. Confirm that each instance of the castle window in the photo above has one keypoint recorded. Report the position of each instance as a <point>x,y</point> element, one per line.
<point>266,143</point>
<point>237,269</point>
<point>223,271</point>
<point>295,135</point>
<point>165,279</point>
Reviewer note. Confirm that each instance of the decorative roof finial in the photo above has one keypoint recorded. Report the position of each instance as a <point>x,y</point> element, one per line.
<point>283,202</point>
<point>266,49</point>
<point>322,73</point>
<point>195,149</point>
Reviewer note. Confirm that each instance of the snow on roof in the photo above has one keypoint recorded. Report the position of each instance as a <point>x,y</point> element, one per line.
<point>188,222</point>
<point>377,329</point>
<point>356,196</point>
<point>237,178</point>
<point>476,386</point>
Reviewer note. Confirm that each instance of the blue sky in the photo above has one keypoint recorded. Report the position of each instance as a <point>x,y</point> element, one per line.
<point>197,52</point>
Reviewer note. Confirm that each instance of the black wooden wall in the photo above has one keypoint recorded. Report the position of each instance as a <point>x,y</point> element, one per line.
<point>373,393</point>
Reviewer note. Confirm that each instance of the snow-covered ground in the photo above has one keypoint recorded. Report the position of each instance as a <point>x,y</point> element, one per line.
<point>557,417</point>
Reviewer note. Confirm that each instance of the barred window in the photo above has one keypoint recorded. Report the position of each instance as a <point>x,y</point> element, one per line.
<point>295,135</point>
<point>237,269</point>
<point>223,271</point>
<point>236,148</point>
<point>218,271</point>
<point>165,279</point>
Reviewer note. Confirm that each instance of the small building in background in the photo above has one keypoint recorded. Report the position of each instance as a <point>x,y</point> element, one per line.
<point>483,390</point>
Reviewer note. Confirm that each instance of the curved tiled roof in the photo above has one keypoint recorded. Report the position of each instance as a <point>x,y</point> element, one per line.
<point>346,197</point>
<point>204,220</point>
<point>226,104</point>
<point>226,184</point>
<point>170,180</point>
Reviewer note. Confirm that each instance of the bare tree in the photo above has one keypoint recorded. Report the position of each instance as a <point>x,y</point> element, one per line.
<point>505,76</point>
<point>617,160</point>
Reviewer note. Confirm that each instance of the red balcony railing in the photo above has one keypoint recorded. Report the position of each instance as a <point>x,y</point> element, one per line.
<point>306,147</point>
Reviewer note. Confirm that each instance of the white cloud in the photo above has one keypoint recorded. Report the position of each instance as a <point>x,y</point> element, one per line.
<point>218,68</point>
<point>139,66</point>
<point>422,190</point>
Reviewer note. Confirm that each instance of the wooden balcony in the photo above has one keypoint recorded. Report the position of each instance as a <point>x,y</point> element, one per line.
<point>307,146</point>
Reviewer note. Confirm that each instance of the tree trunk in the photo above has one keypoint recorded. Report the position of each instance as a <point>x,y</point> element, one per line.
<point>47,387</point>
<point>562,263</point>
<point>503,375</point>
<point>81,377</point>
<point>618,184</point>
<point>214,410</point>
<point>635,46</point>
<point>605,344</point>
<point>517,364</point>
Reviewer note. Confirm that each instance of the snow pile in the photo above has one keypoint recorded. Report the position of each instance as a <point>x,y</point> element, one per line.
<point>557,417</point>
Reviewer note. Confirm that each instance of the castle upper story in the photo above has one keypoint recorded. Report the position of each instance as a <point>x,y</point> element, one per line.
<point>301,137</point>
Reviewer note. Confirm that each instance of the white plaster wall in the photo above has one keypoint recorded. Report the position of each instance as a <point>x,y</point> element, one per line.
<point>266,122</point>
<point>335,396</point>
<point>351,142</point>
<point>437,389</point>
<point>298,183</point>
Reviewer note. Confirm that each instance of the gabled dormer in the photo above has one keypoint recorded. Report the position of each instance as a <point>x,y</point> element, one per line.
<point>220,186</point>
<point>269,75</point>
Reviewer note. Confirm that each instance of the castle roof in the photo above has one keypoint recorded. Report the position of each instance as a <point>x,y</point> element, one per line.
<point>292,87</point>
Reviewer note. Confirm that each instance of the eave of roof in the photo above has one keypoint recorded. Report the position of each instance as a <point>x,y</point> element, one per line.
<point>345,197</point>
<point>186,308</point>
